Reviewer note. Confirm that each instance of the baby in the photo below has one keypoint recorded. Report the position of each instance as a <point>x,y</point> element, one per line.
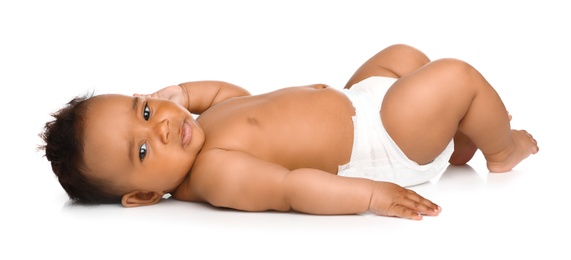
<point>399,121</point>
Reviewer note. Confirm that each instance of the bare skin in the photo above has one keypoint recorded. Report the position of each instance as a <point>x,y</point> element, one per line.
<point>281,150</point>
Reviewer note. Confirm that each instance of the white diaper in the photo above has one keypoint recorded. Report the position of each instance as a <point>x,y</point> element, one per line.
<point>375,155</point>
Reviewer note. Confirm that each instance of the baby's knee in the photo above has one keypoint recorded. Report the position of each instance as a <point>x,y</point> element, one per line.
<point>455,67</point>
<point>409,51</point>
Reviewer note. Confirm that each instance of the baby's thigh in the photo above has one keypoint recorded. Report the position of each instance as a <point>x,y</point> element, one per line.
<point>421,113</point>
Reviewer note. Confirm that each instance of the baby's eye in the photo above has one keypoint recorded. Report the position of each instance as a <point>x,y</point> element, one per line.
<point>142,151</point>
<point>146,112</point>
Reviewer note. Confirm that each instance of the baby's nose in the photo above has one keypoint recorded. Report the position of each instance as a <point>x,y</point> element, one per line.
<point>162,129</point>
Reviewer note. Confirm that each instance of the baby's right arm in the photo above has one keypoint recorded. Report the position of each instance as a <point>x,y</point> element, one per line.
<point>197,96</point>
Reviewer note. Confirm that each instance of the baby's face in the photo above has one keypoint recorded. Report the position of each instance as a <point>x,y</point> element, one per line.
<point>141,144</point>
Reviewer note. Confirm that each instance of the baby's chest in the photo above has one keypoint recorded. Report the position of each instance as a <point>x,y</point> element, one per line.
<point>291,140</point>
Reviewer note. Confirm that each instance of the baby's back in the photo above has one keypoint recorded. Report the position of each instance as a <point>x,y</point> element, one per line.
<point>297,127</point>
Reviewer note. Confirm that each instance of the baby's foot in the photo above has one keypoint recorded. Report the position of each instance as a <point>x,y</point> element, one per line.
<point>523,146</point>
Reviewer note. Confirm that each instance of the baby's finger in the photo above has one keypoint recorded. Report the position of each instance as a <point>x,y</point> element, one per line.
<point>153,95</point>
<point>421,205</point>
<point>405,212</point>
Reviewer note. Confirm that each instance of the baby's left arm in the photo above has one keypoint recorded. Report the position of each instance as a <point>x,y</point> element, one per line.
<point>245,182</point>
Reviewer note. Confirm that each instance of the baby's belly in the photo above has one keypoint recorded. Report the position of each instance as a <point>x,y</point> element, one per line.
<point>311,130</point>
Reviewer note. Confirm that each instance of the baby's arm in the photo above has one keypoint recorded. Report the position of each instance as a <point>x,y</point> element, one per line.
<point>247,183</point>
<point>197,96</point>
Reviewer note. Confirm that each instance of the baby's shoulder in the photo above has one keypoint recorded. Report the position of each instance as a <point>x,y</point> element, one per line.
<point>218,175</point>
<point>220,160</point>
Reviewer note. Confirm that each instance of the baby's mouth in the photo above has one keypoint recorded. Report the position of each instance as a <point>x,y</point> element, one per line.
<point>185,133</point>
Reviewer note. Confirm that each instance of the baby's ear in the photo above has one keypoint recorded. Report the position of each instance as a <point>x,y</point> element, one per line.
<point>139,198</point>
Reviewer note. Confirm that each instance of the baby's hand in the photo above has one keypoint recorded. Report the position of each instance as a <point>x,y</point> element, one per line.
<point>173,93</point>
<point>390,199</point>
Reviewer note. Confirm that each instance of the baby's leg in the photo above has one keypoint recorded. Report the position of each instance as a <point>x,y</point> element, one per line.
<point>464,148</point>
<point>394,61</point>
<point>448,98</point>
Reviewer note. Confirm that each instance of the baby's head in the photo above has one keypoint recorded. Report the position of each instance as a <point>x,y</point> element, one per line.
<point>121,149</point>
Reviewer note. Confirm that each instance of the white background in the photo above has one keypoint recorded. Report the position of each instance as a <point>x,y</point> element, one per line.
<point>51,51</point>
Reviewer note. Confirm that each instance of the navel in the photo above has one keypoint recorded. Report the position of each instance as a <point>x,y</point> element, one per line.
<point>319,86</point>
<point>252,121</point>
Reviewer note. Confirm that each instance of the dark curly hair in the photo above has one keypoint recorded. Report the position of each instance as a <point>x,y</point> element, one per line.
<point>63,138</point>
